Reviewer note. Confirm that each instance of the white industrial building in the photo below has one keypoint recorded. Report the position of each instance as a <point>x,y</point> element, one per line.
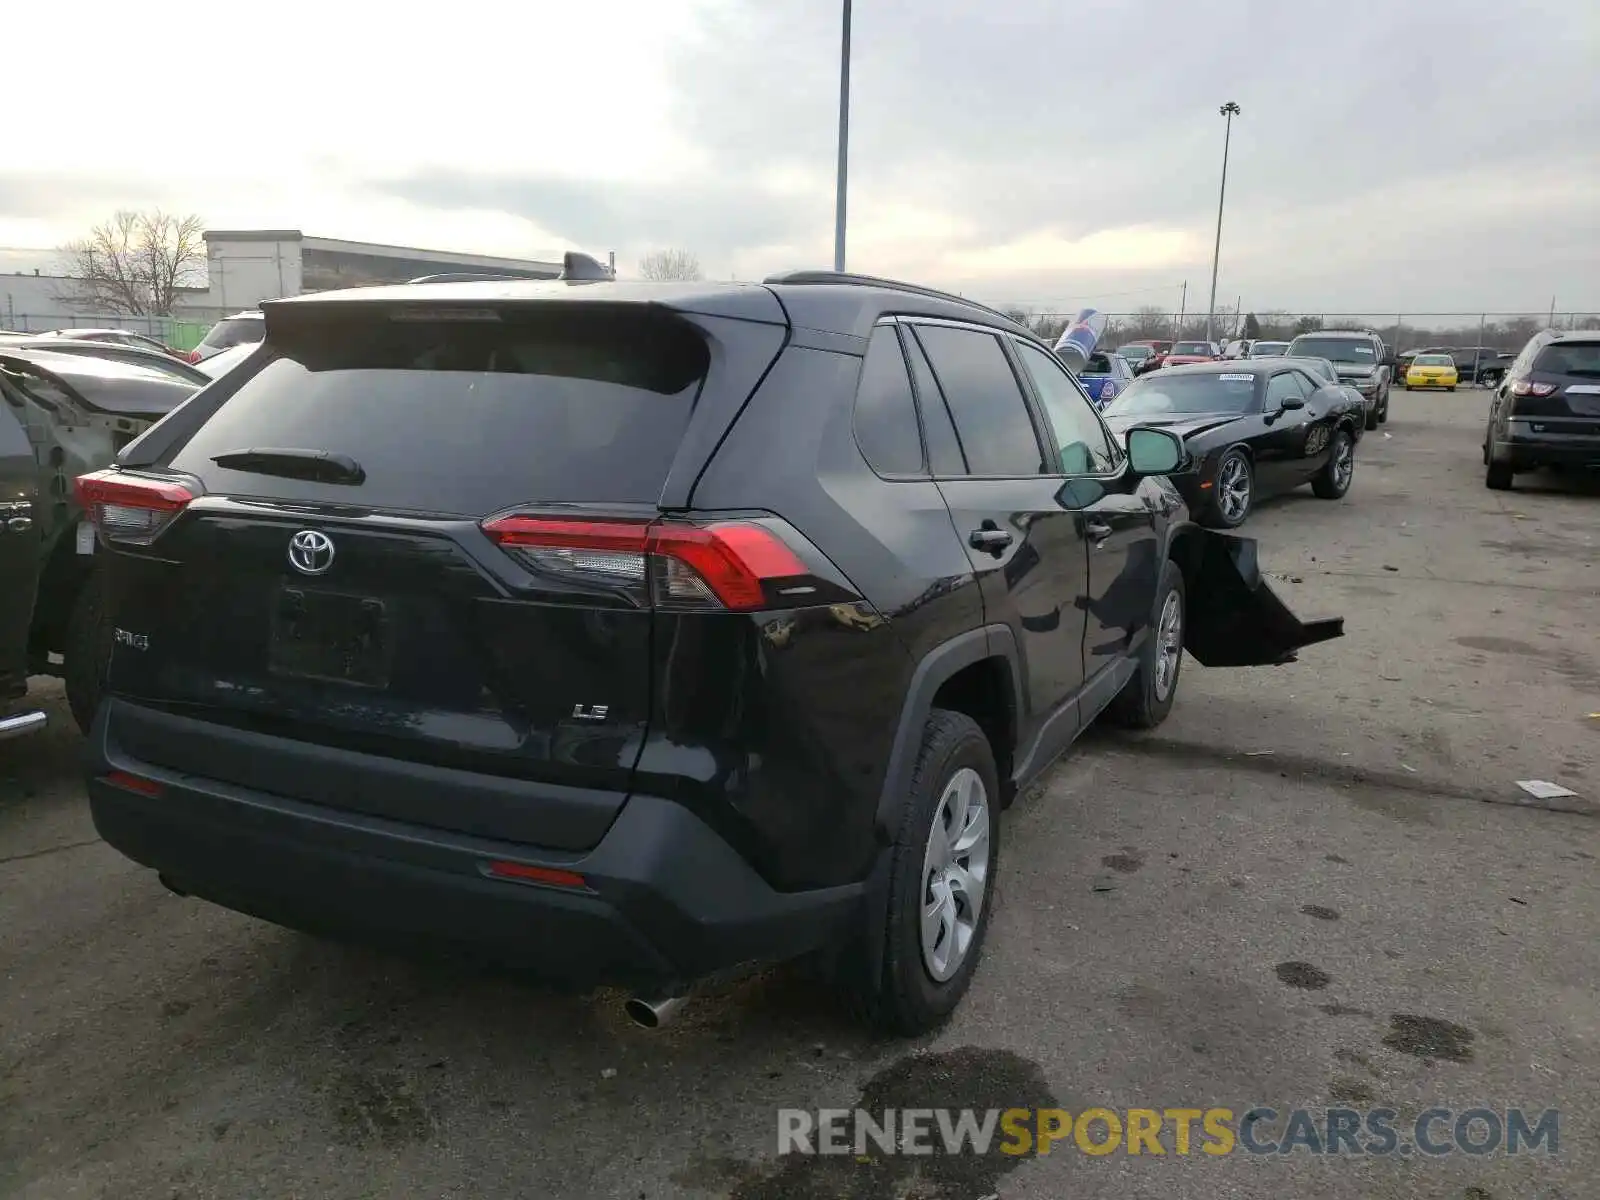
<point>245,267</point>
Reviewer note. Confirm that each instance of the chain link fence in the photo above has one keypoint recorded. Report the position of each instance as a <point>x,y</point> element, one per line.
<point>183,331</point>
<point>1403,332</point>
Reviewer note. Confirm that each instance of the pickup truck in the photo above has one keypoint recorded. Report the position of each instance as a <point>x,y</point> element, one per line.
<point>60,416</point>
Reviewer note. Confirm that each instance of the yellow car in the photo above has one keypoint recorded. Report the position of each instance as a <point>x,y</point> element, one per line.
<point>1432,371</point>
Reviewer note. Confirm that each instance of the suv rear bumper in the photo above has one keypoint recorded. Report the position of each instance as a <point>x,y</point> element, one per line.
<point>664,901</point>
<point>1524,452</point>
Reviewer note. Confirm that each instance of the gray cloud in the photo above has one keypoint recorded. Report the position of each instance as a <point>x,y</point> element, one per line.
<point>1432,157</point>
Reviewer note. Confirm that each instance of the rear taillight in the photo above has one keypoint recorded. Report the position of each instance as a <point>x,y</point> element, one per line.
<point>723,565</point>
<point>129,508</point>
<point>1526,387</point>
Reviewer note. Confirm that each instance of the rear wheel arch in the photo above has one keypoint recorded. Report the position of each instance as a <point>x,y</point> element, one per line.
<point>977,673</point>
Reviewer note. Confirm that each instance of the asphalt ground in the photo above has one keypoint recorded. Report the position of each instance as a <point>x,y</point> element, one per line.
<point>1315,886</point>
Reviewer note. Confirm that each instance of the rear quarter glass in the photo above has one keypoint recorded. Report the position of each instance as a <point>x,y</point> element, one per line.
<point>1569,358</point>
<point>464,418</point>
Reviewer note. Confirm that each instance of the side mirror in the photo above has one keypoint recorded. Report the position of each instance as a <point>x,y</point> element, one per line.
<point>1292,402</point>
<point>1155,452</point>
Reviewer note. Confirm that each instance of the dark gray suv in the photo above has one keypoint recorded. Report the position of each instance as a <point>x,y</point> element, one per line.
<point>1362,360</point>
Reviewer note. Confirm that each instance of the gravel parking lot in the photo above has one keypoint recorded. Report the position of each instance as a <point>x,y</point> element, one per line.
<point>1315,885</point>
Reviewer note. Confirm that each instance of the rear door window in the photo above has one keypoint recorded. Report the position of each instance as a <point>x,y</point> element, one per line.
<point>886,414</point>
<point>464,417</point>
<point>985,401</point>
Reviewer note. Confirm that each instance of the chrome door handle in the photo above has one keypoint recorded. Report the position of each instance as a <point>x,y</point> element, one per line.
<point>1098,530</point>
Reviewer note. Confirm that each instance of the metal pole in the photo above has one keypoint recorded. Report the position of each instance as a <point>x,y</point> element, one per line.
<point>844,142</point>
<point>1228,110</point>
<point>1552,312</point>
<point>1477,351</point>
<point>1183,309</point>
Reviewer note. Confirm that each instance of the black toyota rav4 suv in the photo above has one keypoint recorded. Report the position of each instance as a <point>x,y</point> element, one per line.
<point>638,632</point>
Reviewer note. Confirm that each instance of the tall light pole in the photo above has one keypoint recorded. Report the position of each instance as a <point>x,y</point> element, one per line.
<point>1230,110</point>
<point>844,141</point>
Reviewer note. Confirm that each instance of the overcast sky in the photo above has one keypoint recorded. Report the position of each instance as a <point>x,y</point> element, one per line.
<point>1415,155</point>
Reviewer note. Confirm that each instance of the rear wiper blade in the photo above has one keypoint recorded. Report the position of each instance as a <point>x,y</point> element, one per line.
<point>318,466</point>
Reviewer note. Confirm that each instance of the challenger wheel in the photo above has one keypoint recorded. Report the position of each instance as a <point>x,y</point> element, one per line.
<point>1333,481</point>
<point>1233,492</point>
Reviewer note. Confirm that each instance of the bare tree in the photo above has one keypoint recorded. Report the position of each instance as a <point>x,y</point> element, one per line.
<point>670,264</point>
<point>135,263</point>
<point>1150,321</point>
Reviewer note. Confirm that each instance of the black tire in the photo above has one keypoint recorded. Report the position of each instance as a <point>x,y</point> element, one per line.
<point>904,998</point>
<point>1327,485</point>
<point>1383,406</point>
<point>1370,422</point>
<point>1214,515</point>
<point>1408,388</point>
<point>1497,477</point>
<point>1451,388</point>
<point>87,652</point>
<point>1140,704</point>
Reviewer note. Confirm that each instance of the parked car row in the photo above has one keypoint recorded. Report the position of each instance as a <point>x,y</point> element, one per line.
<point>635,633</point>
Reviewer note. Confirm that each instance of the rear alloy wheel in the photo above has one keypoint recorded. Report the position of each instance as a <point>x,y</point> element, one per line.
<point>1383,405</point>
<point>1333,481</point>
<point>941,881</point>
<point>1146,699</point>
<point>1497,477</point>
<point>1233,491</point>
<point>1370,419</point>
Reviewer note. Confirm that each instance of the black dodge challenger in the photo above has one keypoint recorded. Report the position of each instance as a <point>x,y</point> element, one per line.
<point>1254,427</point>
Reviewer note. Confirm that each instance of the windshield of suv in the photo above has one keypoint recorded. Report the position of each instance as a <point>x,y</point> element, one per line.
<point>1433,360</point>
<point>1222,392</point>
<point>235,331</point>
<point>1268,349</point>
<point>1193,348</point>
<point>465,417</point>
<point>1135,353</point>
<point>1358,351</point>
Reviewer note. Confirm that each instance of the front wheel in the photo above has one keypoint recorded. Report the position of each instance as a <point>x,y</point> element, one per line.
<point>1383,405</point>
<point>1451,388</point>
<point>1370,421</point>
<point>1498,476</point>
<point>1333,481</point>
<point>1233,491</point>
<point>1146,699</point>
<point>941,879</point>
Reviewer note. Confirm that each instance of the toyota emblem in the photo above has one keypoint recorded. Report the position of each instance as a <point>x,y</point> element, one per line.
<point>310,552</point>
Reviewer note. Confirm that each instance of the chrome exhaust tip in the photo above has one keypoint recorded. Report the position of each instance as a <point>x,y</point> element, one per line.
<point>653,1014</point>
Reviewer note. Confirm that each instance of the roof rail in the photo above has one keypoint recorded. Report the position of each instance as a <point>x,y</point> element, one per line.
<point>461,277</point>
<point>853,280</point>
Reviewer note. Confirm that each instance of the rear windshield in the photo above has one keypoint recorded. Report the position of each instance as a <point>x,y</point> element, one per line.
<point>1192,348</point>
<point>235,331</point>
<point>1098,364</point>
<point>465,417</point>
<point>1433,360</point>
<point>1569,358</point>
